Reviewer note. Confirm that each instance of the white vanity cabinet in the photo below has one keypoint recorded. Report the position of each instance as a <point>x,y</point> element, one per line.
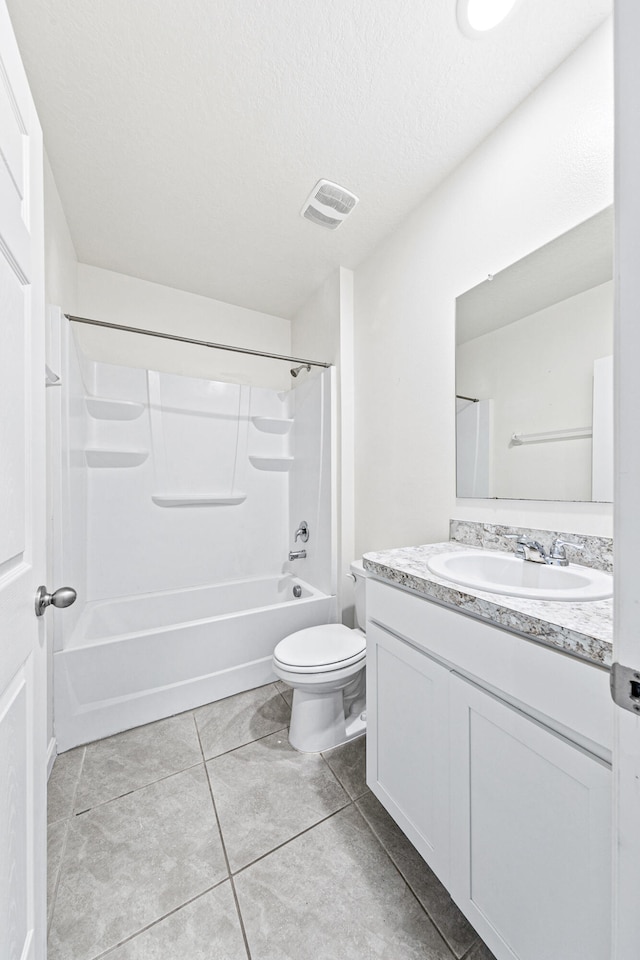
<point>491,753</point>
<point>407,694</point>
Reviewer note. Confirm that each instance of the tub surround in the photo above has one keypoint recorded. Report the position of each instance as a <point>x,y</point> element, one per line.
<point>178,550</point>
<point>582,630</point>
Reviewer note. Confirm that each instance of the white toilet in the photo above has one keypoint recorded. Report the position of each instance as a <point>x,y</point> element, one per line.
<point>325,665</point>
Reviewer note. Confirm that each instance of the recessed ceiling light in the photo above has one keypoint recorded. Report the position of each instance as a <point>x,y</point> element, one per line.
<point>478,16</point>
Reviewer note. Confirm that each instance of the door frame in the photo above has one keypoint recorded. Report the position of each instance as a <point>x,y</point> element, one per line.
<point>626,645</point>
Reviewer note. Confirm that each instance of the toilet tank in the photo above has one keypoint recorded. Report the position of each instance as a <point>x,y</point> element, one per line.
<point>359,575</point>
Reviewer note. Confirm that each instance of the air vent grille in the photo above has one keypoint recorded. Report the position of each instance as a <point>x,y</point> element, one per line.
<point>316,217</point>
<point>328,204</point>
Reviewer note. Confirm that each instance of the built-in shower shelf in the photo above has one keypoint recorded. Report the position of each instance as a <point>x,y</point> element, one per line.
<point>197,500</point>
<point>271,463</point>
<point>272,424</point>
<point>103,408</point>
<point>115,458</point>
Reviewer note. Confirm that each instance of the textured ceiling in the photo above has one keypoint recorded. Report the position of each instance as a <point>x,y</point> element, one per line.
<point>185,137</point>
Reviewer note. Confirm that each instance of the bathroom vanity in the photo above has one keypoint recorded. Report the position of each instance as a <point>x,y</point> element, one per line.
<point>489,743</point>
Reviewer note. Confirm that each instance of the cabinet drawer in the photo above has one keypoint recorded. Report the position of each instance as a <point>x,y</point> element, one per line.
<point>569,693</point>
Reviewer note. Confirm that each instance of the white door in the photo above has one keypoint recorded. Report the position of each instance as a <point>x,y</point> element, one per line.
<point>626,648</point>
<point>22,515</point>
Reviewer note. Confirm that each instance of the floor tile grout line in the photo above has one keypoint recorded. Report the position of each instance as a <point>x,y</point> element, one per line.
<point>409,886</point>
<point>225,753</point>
<point>143,786</point>
<point>224,849</point>
<point>285,699</point>
<point>284,843</point>
<point>154,923</point>
<point>472,948</point>
<point>54,895</point>
<point>192,766</point>
<point>77,786</point>
<point>343,785</point>
<point>78,813</point>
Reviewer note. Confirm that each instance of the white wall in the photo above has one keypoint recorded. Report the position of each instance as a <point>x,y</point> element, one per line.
<point>61,287</point>
<point>323,329</point>
<point>539,373</point>
<point>60,260</point>
<point>546,168</point>
<point>116,298</point>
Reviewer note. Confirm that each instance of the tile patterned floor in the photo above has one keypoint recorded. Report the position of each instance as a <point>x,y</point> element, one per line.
<point>206,837</point>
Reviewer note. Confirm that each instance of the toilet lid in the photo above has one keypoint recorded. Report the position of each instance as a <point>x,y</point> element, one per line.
<point>331,644</point>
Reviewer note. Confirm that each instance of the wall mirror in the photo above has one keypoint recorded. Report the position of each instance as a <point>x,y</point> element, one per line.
<point>534,373</point>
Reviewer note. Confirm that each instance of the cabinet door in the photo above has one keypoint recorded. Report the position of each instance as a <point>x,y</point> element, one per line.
<point>407,742</point>
<point>531,813</point>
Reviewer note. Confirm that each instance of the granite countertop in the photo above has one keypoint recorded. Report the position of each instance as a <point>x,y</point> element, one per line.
<point>583,630</point>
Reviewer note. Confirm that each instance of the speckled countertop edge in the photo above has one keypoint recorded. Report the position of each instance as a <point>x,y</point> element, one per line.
<point>583,630</point>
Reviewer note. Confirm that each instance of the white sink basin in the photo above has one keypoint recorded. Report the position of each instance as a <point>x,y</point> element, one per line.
<point>494,572</point>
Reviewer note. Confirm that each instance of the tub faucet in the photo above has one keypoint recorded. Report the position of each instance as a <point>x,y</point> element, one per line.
<point>302,532</point>
<point>297,554</point>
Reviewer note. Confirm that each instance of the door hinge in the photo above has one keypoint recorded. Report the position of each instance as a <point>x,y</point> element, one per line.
<point>625,687</point>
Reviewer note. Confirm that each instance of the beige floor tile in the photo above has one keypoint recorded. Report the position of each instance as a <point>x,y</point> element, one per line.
<point>206,929</point>
<point>230,723</point>
<point>333,892</point>
<point>266,793</point>
<point>133,860</point>
<point>56,838</point>
<point>285,690</point>
<point>62,785</point>
<point>348,762</point>
<point>430,892</point>
<point>130,760</point>
<point>480,952</point>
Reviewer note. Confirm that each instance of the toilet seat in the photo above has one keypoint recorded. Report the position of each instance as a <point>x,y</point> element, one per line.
<point>322,649</point>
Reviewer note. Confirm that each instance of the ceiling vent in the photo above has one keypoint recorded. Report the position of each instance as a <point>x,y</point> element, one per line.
<point>328,204</point>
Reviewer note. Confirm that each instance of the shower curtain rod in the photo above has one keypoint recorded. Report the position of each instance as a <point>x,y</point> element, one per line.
<point>197,343</point>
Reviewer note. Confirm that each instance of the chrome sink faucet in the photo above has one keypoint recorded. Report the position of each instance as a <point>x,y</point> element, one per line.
<point>532,550</point>
<point>529,549</point>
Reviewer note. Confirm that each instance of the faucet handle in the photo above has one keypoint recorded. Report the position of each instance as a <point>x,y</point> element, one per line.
<point>560,544</point>
<point>302,532</point>
<point>558,553</point>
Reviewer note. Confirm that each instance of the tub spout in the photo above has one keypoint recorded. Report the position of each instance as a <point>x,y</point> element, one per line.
<point>297,555</point>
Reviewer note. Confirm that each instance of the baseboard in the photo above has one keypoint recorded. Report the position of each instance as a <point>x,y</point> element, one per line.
<point>52,753</point>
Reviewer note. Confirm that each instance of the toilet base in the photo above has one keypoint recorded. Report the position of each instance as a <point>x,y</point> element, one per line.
<point>318,721</point>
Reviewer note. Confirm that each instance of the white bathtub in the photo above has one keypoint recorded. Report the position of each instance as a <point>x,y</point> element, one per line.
<point>132,660</point>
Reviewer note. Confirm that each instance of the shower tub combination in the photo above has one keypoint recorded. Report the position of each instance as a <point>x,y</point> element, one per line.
<point>177,500</point>
<point>134,660</point>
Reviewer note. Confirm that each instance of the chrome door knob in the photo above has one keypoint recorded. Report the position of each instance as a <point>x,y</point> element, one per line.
<point>63,597</point>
